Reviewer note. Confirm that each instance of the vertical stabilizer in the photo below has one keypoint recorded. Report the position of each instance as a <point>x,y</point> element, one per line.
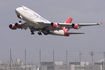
<point>69,20</point>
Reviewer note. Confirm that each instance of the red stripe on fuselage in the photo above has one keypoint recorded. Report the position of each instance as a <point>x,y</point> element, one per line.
<point>65,30</point>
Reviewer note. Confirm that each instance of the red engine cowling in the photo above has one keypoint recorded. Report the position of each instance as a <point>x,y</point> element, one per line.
<point>18,25</point>
<point>75,26</point>
<point>12,26</point>
<point>55,25</point>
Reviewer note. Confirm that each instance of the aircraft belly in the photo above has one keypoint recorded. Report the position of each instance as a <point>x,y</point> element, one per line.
<point>36,25</point>
<point>31,22</point>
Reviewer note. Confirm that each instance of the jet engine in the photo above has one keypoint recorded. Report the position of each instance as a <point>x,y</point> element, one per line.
<point>18,25</point>
<point>12,26</point>
<point>54,25</point>
<point>75,26</point>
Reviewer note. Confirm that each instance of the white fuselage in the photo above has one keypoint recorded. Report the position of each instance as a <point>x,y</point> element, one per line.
<point>32,18</point>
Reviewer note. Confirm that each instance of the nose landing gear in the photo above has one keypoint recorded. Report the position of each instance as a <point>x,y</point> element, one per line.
<point>19,16</point>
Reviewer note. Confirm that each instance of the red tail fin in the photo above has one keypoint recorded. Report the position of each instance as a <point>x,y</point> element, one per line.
<point>69,20</point>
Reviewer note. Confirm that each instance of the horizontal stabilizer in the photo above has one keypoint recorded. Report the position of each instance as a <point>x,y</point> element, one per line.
<point>73,33</point>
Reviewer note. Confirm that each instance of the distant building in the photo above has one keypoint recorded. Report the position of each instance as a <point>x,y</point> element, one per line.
<point>84,66</point>
<point>54,66</point>
<point>79,63</point>
<point>18,61</point>
<point>70,66</point>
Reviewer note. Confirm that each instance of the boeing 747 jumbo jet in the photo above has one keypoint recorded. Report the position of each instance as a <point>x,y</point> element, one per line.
<point>35,22</point>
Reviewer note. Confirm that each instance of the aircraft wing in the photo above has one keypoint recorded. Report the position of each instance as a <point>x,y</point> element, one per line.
<point>71,25</point>
<point>79,24</point>
<point>25,26</point>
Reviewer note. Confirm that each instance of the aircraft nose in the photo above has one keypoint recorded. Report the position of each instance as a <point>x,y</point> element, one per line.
<point>16,10</point>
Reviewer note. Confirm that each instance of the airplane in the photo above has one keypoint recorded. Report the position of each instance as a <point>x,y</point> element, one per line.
<point>35,22</point>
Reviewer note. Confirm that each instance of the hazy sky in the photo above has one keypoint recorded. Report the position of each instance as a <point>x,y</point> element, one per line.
<point>56,11</point>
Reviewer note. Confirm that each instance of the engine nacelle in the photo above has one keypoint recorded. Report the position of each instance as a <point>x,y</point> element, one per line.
<point>75,26</point>
<point>55,25</point>
<point>12,26</point>
<point>18,25</point>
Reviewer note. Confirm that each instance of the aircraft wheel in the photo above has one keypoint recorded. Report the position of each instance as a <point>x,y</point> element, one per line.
<point>39,33</point>
<point>45,33</point>
<point>32,33</point>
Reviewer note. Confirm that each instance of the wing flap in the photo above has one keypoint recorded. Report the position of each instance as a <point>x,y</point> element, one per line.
<point>80,24</point>
<point>24,25</point>
<point>89,24</point>
<point>73,33</point>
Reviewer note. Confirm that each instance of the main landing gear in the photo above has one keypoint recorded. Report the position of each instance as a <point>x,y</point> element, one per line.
<point>32,32</point>
<point>39,33</point>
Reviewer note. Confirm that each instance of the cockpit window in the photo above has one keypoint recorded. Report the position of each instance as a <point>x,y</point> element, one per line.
<point>21,6</point>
